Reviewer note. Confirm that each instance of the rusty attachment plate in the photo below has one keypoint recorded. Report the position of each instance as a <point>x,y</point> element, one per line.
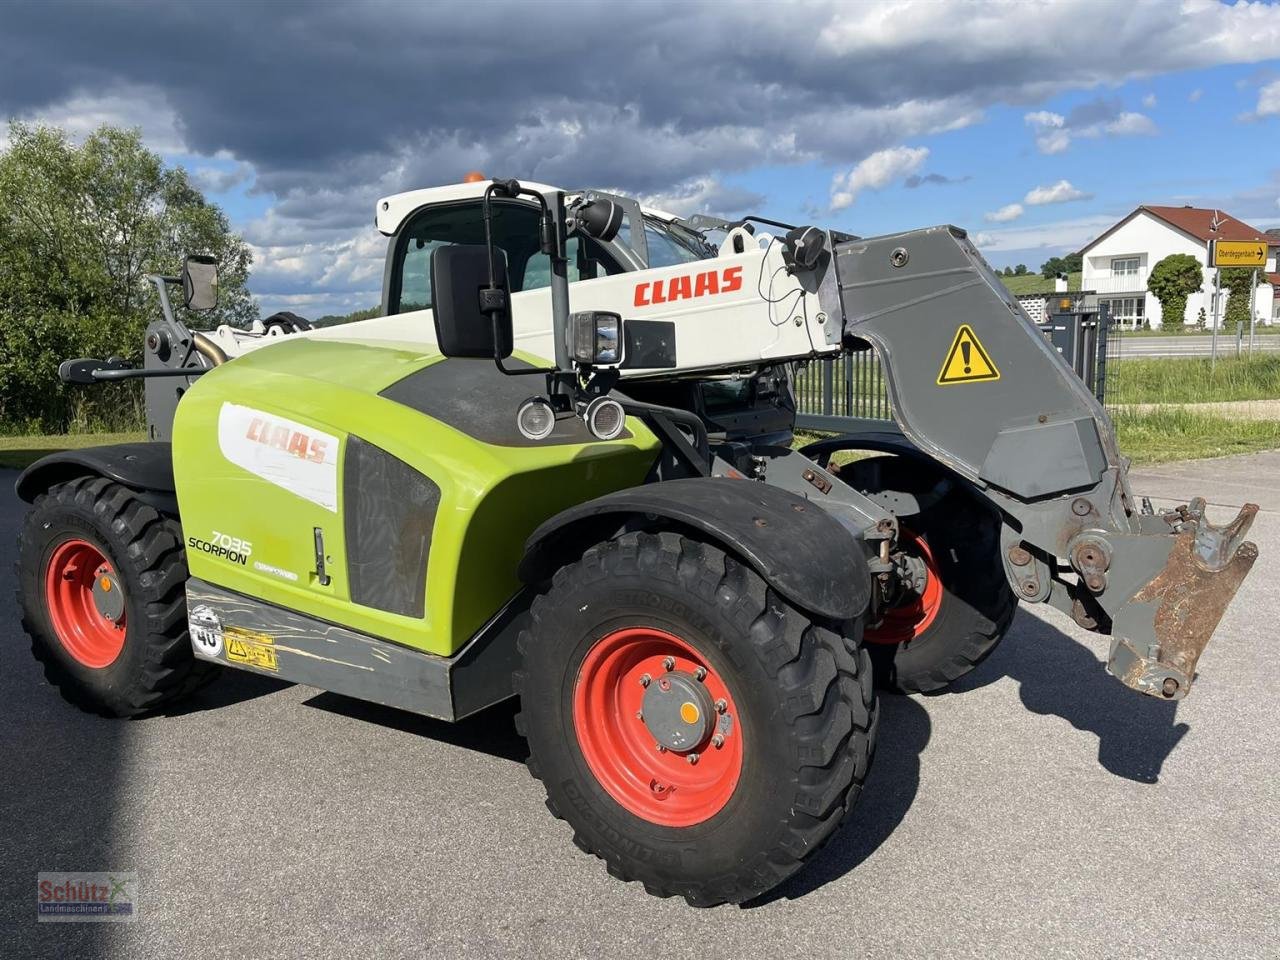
<point>1205,569</point>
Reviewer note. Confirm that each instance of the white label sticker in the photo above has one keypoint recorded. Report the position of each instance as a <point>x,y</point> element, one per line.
<point>206,631</point>
<point>291,455</point>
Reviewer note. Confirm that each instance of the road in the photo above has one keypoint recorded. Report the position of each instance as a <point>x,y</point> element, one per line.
<point>1041,810</point>
<point>1183,345</point>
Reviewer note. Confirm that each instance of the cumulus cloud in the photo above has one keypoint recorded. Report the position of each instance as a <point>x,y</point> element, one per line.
<point>1006,213</point>
<point>876,172</point>
<point>932,179</point>
<point>1060,192</point>
<point>704,195</point>
<point>1095,118</point>
<point>327,128</point>
<point>1149,101</point>
<point>1269,100</point>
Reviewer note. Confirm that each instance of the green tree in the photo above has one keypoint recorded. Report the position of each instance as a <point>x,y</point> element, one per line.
<point>1020,270</point>
<point>1056,266</point>
<point>1238,281</point>
<point>81,227</point>
<point>1172,280</point>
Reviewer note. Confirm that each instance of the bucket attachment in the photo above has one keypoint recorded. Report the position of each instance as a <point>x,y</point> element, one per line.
<point>1205,569</point>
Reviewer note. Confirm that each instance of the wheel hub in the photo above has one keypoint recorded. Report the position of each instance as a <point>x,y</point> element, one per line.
<point>678,711</point>
<point>108,598</point>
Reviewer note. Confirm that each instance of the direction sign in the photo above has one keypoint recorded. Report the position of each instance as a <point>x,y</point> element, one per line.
<point>1237,253</point>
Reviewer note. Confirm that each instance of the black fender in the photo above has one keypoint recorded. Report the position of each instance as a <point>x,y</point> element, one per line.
<point>798,548</point>
<point>145,468</point>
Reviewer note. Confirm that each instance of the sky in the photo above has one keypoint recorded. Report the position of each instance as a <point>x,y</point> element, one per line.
<point>1033,125</point>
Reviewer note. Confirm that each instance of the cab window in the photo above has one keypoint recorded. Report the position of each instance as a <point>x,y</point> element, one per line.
<point>515,230</point>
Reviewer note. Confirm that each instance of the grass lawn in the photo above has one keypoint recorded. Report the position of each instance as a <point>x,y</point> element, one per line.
<point>1176,433</point>
<point>1189,380</point>
<point>17,453</point>
<point>1034,283</point>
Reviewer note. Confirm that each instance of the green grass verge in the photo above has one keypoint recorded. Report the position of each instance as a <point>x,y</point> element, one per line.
<point>1034,283</point>
<point>1175,433</point>
<point>1189,380</point>
<point>18,453</point>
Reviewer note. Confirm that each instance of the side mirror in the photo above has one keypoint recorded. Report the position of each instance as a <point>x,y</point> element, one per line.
<point>459,274</point>
<point>199,282</point>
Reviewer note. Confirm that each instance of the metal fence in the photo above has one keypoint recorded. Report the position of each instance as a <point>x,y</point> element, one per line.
<point>832,393</point>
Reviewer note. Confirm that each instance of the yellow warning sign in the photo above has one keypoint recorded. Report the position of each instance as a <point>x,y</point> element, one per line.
<point>967,361</point>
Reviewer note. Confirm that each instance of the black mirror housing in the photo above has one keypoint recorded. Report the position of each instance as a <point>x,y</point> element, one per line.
<point>199,282</point>
<point>466,313</point>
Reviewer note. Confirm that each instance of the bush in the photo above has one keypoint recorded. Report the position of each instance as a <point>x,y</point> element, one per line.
<point>1172,280</point>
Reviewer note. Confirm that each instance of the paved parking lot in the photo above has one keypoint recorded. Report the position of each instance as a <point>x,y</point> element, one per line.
<point>1040,810</point>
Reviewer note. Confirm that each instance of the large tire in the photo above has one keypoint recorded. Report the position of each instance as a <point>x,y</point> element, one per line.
<point>89,531</point>
<point>794,695</point>
<point>967,605</point>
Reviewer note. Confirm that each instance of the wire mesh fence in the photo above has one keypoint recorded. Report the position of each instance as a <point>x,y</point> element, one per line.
<point>850,384</point>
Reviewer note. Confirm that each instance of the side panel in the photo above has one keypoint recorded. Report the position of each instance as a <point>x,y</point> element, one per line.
<point>385,484</point>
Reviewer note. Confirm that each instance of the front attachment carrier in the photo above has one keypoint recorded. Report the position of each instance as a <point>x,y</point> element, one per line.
<point>1205,569</point>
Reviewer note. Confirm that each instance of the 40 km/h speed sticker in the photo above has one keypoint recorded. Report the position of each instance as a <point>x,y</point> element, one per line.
<point>967,361</point>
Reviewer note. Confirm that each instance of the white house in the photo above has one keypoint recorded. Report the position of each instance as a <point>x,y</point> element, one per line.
<point>1116,265</point>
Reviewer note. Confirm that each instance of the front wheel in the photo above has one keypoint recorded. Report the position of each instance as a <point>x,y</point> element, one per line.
<point>942,630</point>
<point>700,734</point>
<point>101,588</point>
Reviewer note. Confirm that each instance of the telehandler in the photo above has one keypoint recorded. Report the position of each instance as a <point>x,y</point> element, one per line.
<point>559,467</point>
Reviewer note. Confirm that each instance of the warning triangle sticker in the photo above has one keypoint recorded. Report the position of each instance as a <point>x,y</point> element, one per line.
<point>967,361</point>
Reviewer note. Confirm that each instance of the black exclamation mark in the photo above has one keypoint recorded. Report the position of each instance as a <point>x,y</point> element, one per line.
<point>965,348</point>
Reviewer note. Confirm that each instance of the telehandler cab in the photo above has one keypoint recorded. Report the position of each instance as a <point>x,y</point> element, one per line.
<point>559,467</point>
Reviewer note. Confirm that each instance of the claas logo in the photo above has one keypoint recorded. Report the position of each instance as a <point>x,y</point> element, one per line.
<point>689,286</point>
<point>279,437</point>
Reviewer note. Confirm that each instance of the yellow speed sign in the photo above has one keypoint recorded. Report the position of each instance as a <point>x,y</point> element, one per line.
<point>1237,253</point>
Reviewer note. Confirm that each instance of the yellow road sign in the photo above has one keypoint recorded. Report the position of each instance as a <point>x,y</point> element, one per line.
<point>1237,253</point>
<point>967,361</point>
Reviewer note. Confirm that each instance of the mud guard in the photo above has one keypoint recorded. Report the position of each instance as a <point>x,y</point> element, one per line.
<point>797,547</point>
<point>145,468</point>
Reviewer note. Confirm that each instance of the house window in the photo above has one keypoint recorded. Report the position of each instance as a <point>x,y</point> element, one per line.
<point>1124,267</point>
<point>1130,311</point>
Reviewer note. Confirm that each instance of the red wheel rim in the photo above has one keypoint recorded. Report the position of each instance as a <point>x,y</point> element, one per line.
<point>662,787</point>
<point>90,636</point>
<point>910,619</point>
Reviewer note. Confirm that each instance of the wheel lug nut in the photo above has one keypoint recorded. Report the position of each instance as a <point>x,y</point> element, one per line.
<point>646,680</point>
<point>693,758</point>
<point>717,741</point>
<point>669,663</point>
<point>722,705</point>
<point>700,674</point>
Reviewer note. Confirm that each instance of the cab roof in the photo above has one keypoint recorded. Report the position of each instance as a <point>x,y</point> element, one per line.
<point>392,211</point>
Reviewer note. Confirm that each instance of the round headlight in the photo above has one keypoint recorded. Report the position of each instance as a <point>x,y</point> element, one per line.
<point>536,419</point>
<point>605,418</point>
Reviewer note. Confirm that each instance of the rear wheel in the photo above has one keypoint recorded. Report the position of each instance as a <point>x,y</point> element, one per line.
<point>700,734</point>
<point>961,611</point>
<point>101,588</point>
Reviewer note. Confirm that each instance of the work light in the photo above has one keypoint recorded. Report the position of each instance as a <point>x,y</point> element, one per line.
<point>595,338</point>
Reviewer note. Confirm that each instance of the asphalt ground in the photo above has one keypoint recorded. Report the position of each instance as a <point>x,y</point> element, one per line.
<point>1188,345</point>
<point>1040,810</point>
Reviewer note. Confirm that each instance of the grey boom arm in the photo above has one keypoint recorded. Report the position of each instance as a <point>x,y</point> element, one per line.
<point>1037,443</point>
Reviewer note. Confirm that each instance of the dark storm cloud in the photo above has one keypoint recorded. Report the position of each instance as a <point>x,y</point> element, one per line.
<point>334,104</point>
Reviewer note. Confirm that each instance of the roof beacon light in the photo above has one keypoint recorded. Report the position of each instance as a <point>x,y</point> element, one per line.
<point>474,176</point>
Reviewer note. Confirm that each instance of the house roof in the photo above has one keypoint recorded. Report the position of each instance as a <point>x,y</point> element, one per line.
<point>1272,278</point>
<point>1197,223</point>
